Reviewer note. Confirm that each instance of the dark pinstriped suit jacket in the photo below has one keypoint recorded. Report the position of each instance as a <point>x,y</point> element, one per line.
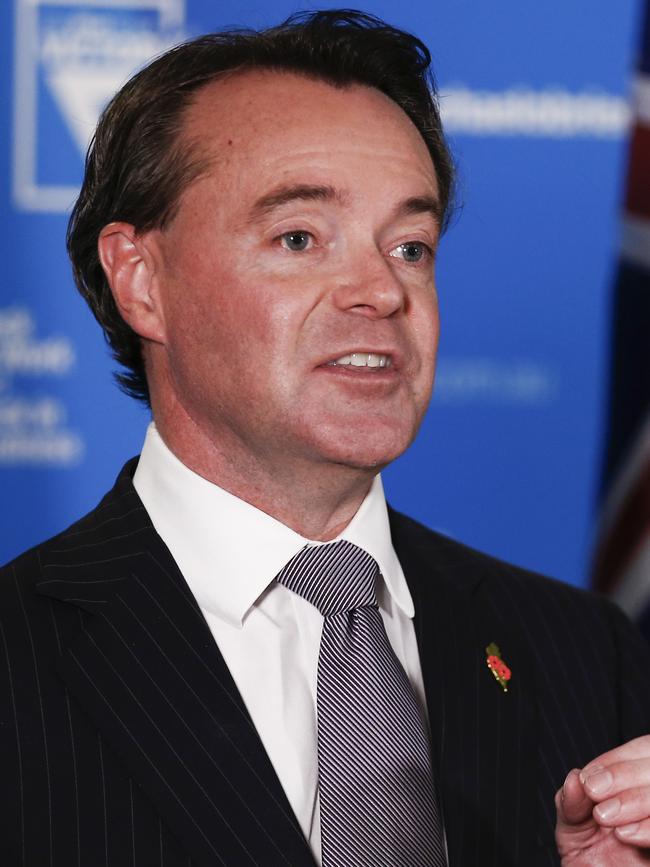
<point>125,742</point>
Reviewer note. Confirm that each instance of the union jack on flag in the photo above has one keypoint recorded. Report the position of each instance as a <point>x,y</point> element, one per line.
<point>622,557</point>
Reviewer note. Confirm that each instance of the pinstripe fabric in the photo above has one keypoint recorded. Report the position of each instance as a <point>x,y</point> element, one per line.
<point>121,728</point>
<point>579,687</point>
<point>124,741</point>
<point>375,784</point>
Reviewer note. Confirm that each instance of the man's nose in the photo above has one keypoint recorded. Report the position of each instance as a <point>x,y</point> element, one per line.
<point>370,287</point>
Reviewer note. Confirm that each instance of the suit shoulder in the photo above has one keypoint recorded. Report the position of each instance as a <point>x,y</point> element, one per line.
<point>117,503</point>
<point>542,612</point>
<point>492,574</point>
<point>27,567</point>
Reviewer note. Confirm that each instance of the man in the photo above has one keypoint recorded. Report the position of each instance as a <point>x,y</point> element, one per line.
<point>256,234</point>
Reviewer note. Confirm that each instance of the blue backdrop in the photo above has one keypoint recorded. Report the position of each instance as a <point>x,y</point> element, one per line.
<point>535,100</point>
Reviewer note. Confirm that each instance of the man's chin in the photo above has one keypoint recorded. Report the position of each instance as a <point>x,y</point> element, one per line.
<point>365,454</point>
<point>353,439</point>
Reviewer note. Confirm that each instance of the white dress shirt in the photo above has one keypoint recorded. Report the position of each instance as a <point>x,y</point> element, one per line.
<point>229,553</point>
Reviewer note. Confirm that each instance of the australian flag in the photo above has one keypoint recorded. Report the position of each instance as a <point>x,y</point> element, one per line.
<point>622,557</point>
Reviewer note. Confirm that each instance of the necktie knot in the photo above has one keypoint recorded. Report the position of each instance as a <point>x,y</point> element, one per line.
<point>335,577</point>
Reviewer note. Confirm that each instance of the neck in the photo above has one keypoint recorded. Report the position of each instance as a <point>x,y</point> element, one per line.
<point>317,499</point>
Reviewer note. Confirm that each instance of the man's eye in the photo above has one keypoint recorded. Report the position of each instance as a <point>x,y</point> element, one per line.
<point>296,241</point>
<point>412,251</point>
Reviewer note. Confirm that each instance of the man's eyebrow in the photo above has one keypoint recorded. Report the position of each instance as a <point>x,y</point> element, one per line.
<point>421,205</point>
<point>326,193</point>
<point>295,193</point>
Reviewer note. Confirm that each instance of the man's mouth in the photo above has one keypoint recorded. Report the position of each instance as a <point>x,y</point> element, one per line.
<point>362,359</point>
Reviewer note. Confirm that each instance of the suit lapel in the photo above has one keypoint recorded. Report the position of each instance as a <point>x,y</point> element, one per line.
<point>484,740</point>
<point>148,672</point>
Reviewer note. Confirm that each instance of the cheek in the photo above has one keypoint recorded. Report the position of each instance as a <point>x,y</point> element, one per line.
<point>426,326</point>
<point>268,315</point>
<point>212,306</point>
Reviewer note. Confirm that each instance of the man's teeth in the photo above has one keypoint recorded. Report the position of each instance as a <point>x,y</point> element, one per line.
<point>362,359</point>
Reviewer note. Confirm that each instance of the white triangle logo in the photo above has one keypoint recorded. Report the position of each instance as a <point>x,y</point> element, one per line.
<point>81,93</point>
<point>87,59</point>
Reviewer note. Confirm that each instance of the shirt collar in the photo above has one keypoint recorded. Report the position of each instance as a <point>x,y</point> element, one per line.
<point>227,549</point>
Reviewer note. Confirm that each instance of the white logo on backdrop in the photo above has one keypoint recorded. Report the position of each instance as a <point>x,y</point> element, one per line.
<point>77,53</point>
<point>550,113</point>
<point>33,428</point>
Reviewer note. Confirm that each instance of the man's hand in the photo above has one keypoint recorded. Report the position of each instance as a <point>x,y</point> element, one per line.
<point>603,811</point>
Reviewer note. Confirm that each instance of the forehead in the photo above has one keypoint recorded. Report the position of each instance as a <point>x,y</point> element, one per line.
<point>260,118</point>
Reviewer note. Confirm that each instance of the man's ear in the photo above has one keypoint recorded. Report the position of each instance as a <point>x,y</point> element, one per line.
<point>129,262</point>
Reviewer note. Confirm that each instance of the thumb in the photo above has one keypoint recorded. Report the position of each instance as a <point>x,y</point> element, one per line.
<point>573,804</point>
<point>575,827</point>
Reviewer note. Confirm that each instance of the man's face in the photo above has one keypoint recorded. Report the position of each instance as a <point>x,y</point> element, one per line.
<point>300,312</point>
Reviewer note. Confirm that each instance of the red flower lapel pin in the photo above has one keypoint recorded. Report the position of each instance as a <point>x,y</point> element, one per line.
<point>497,666</point>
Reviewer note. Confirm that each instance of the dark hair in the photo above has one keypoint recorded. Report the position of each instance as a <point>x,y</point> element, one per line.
<point>136,170</point>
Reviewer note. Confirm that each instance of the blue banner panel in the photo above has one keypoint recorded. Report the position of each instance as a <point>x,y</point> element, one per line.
<point>535,100</point>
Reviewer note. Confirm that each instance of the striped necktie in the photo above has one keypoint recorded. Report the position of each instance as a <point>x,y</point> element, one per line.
<point>377,796</point>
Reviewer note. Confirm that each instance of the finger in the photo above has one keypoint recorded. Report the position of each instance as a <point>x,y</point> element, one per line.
<point>573,805</point>
<point>639,748</point>
<point>635,834</point>
<point>632,805</point>
<point>601,782</point>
